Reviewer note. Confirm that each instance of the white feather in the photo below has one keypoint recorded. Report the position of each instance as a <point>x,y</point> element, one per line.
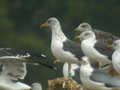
<point>116,61</point>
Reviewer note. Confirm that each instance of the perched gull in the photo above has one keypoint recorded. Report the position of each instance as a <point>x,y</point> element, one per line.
<point>116,55</point>
<point>13,64</point>
<point>36,86</point>
<point>95,79</point>
<point>94,49</point>
<point>100,35</point>
<point>62,48</point>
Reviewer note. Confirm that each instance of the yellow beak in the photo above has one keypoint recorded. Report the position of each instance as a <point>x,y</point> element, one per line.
<point>109,46</point>
<point>43,26</point>
<point>77,37</point>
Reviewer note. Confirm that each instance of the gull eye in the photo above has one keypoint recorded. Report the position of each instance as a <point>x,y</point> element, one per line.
<point>114,44</point>
<point>86,34</point>
<point>49,21</point>
<point>85,62</point>
<point>84,26</point>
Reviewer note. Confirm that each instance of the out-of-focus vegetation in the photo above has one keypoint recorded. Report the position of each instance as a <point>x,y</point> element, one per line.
<point>20,21</point>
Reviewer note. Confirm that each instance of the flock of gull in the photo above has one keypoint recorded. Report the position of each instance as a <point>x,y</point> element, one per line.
<point>93,61</point>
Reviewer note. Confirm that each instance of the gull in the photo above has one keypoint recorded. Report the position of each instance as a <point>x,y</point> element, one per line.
<point>116,55</point>
<point>36,86</point>
<point>93,79</point>
<point>62,48</point>
<point>100,35</point>
<point>13,68</point>
<point>95,49</point>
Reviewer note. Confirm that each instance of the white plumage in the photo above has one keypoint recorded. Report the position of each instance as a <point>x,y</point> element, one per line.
<point>116,56</point>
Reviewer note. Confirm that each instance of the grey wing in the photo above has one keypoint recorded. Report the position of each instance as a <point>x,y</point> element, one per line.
<point>102,47</point>
<point>98,76</point>
<point>105,78</point>
<point>76,77</point>
<point>74,48</point>
<point>105,36</point>
<point>113,82</point>
<point>14,70</point>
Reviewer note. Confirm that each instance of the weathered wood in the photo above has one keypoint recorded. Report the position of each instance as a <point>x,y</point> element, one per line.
<point>63,84</point>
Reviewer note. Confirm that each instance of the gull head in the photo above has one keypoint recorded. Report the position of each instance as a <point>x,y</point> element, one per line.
<point>86,35</point>
<point>83,27</point>
<point>51,23</point>
<point>85,60</point>
<point>86,67</point>
<point>116,45</point>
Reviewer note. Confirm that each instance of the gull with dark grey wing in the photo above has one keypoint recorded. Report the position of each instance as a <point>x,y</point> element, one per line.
<point>96,50</point>
<point>62,48</point>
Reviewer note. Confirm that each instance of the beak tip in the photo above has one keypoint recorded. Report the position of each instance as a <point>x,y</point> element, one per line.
<point>76,30</point>
<point>77,37</point>
<point>110,46</point>
<point>43,26</point>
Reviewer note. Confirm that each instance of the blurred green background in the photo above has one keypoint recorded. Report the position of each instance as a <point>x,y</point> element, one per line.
<point>20,21</point>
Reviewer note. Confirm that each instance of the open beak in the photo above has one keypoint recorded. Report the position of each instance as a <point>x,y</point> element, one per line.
<point>109,46</point>
<point>43,26</point>
<point>77,37</point>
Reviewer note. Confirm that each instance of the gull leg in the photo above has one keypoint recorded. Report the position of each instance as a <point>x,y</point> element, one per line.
<point>56,61</point>
<point>69,71</point>
<point>100,66</point>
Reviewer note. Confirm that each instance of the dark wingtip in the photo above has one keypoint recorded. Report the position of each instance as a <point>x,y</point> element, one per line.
<point>43,56</point>
<point>48,66</point>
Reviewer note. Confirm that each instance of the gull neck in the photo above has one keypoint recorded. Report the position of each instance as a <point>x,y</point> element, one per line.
<point>57,33</point>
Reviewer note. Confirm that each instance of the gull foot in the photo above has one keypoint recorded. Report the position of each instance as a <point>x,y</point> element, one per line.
<point>56,61</point>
